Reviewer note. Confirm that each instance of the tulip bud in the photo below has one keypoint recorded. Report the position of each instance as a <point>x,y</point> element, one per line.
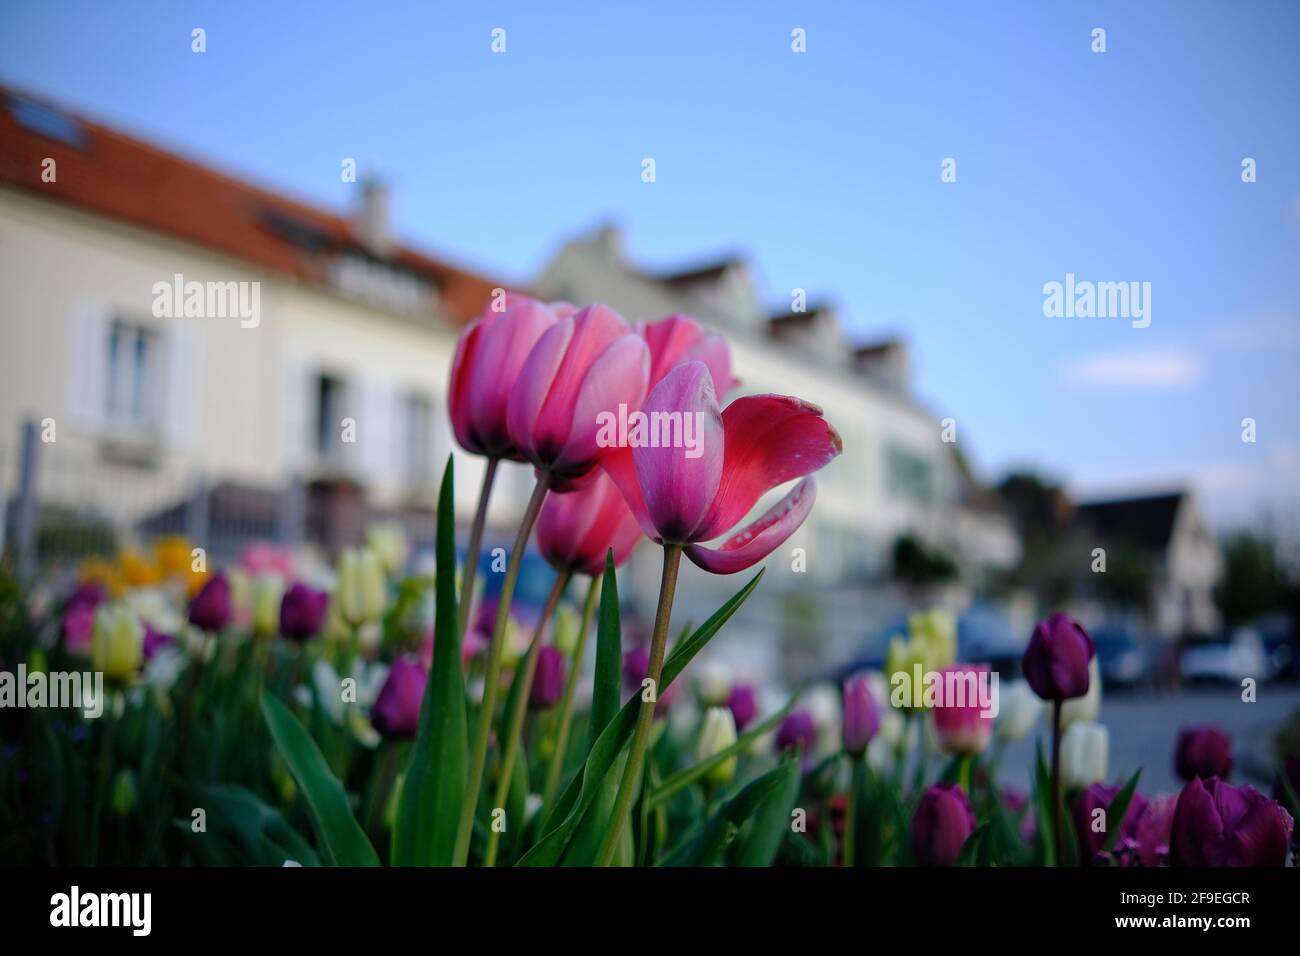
<point>567,625</point>
<point>743,704</point>
<point>548,681</point>
<point>717,734</point>
<point>267,591</point>
<point>302,612</point>
<point>961,724</point>
<point>1085,749</point>
<point>361,586</point>
<point>797,731</point>
<point>154,641</point>
<point>396,712</point>
<point>124,793</point>
<point>861,717</point>
<point>943,821</point>
<point>1217,824</point>
<point>117,645</point>
<point>1056,662</point>
<point>1203,752</point>
<point>210,609</point>
<point>1018,711</point>
<point>388,541</point>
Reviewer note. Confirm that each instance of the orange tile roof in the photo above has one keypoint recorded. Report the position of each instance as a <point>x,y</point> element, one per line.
<point>115,175</point>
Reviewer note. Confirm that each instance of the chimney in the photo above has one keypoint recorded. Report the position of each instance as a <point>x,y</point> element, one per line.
<point>884,362</point>
<point>372,217</point>
<point>608,238</point>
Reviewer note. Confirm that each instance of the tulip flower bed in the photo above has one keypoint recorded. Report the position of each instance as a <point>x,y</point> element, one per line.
<point>249,717</point>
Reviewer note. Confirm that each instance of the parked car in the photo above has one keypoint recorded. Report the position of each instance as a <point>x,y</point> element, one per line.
<point>1122,656</point>
<point>1228,658</point>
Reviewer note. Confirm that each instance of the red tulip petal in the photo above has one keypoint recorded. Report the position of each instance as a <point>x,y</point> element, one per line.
<point>761,538</point>
<point>770,439</point>
<point>620,467</point>
<point>458,390</point>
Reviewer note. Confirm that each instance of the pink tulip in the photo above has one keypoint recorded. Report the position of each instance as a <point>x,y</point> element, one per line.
<point>679,338</point>
<point>491,351</point>
<point>583,365</point>
<point>575,529</point>
<point>756,444</point>
<point>960,723</point>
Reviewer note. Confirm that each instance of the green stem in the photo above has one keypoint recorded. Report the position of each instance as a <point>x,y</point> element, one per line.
<point>1056,780</point>
<point>475,543</point>
<point>516,715</point>
<point>851,810</point>
<point>645,716</point>
<point>101,778</point>
<point>474,782</point>
<point>566,702</point>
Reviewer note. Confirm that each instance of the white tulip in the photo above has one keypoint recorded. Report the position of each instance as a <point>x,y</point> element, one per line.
<point>1088,706</point>
<point>1085,752</point>
<point>1018,711</point>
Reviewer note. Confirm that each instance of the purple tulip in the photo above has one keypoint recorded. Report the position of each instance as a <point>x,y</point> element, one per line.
<point>302,611</point>
<point>1056,660</point>
<point>78,627</point>
<point>743,704</point>
<point>1100,796</point>
<point>548,682</point>
<point>1203,752</point>
<point>861,716</point>
<point>798,730</point>
<point>154,641</point>
<point>210,609</point>
<point>396,712</point>
<point>1217,824</point>
<point>944,820</point>
<point>1153,830</point>
<point>90,593</point>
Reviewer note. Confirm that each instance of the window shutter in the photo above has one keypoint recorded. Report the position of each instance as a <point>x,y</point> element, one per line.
<point>87,364</point>
<point>180,385</point>
<point>297,415</point>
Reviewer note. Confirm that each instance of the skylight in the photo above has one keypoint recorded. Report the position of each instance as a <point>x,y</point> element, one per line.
<point>47,122</point>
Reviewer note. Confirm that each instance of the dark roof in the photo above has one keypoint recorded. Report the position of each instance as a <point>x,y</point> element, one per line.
<point>107,172</point>
<point>710,272</point>
<point>790,320</point>
<point>1146,521</point>
<point>883,347</point>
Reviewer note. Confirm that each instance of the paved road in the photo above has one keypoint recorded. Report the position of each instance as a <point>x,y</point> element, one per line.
<point>1143,729</point>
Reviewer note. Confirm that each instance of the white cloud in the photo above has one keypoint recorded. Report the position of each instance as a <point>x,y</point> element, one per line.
<point>1150,369</point>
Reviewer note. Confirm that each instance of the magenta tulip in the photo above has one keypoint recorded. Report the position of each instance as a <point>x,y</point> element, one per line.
<point>491,351</point>
<point>679,338</point>
<point>210,610</point>
<point>1094,829</point>
<point>743,704</point>
<point>1217,824</point>
<point>861,717</point>
<point>548,681</point>
<point>1057,658</point>
<point>396,712</point>
<point>1152,832</point>
<point>943,821</point>
<point>961,724</point>
<point>576,529</point>
<point>1203,752</point>
<point>302,611</point>
<point>78,626</point>
<point>583,366</point>
<point>797,732</point>
<point>756,444</point>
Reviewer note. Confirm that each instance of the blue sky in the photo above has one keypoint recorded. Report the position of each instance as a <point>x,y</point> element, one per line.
<point>823,167</point>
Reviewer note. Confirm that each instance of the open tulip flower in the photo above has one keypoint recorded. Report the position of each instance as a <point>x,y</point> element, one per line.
<point>757,443</point>
<point>679,338</point>
<point>1217,824</point>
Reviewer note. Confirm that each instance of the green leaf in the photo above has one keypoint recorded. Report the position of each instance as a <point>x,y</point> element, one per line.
<point>1117,810</point>
<point>1043,807</point>
<point>261,829</point>
<point>711,841</point>
<point>974,852</point>
<point>692,773</point>
<point>424,833</point>
<point>582,791</point>
<point>758,846</point>
<point>341,836</point>
<point>607,691</point>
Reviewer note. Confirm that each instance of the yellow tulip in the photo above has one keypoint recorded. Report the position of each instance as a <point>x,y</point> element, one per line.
<point>361,586</point>
<point>117,643</point>
<point>268,590</point>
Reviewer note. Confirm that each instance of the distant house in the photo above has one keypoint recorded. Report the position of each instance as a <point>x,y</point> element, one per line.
<point>353,326</point>
<point>1168,531</point>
